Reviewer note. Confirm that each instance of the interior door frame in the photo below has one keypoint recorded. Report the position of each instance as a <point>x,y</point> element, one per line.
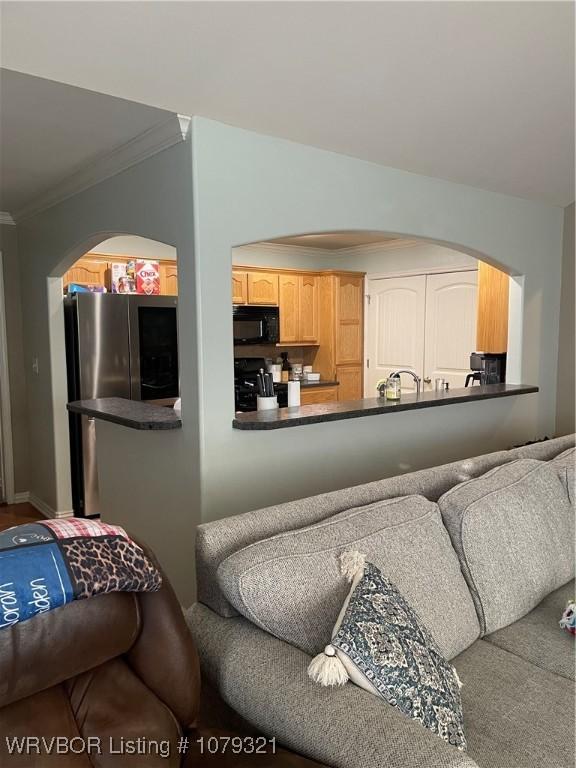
<point>6,450</point>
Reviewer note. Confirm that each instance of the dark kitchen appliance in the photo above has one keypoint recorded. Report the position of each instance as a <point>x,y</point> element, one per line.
<point>245,387</point>
<point>256,325</point>
<point>117,345</point>
<point>487,368</point>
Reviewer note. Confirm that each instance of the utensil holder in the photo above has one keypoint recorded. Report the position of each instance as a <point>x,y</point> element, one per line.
<point>266,403</point>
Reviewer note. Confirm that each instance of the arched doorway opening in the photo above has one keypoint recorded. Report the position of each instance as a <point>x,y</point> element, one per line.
<point>355,306</point>
<point>113,310</point>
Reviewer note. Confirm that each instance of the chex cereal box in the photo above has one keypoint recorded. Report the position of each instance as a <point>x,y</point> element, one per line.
<point>147,277</point>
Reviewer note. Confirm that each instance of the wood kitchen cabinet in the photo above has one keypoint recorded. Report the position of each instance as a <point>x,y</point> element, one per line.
<point>316,395</point>
<point>239,287</point>
<point>351,381</point>
<point>168,279</point>
<point>349,319</point>
<point>88,271</point>
<point>263,288</point>
<point>298,302</point>
<point>492,318</point>
<point>308,308</point>
<point>289,308</point>
<point>95,269</point>
<point>340,353</point>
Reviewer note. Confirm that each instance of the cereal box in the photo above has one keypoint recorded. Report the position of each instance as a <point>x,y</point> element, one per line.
<point>147,277</point>
<point>122,282</point>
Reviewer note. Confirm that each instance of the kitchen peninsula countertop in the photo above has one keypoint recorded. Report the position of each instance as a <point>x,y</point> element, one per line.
<point>128,413</point>
<point>352,409</point>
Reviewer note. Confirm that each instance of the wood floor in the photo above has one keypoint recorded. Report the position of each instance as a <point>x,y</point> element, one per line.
<point>17,514</point>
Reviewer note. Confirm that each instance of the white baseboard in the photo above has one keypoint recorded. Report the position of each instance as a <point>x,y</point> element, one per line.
<point>20,498</point>
<point>46,509</point>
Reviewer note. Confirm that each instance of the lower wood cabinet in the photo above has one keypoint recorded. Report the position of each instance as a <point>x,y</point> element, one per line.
<point>351,382</point>
<point>317,395</point>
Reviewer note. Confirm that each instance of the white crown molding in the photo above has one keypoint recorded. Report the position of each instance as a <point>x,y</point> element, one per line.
<point>159,137</point>
<point>6,218</point>
<point>268,247</point>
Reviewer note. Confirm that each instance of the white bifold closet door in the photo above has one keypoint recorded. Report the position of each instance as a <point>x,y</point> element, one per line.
<point>423,323</point>
<point>450,335</point>
<point>395,329</point>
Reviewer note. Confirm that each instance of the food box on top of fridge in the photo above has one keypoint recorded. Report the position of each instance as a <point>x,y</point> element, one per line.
<point>147,277</point>
<point>122,281</point>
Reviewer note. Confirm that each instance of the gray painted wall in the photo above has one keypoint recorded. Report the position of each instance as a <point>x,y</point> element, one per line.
<point>16,362</point>
<point>566,393</point>
<point>150,486</point>
<point>249,188</point>
<point>276,188</point>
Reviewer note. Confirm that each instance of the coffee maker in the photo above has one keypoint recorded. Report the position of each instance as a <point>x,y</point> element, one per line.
<point>487,368</point>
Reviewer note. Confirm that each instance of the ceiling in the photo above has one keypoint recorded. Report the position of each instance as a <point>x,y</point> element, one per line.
<point>48,131</point>
<point>334,241</point>
<point>480,93</point>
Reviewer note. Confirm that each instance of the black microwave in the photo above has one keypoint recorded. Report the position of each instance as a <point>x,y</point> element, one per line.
<point>256,325</point>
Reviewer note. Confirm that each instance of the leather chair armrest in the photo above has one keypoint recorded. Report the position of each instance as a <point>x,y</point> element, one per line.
<point>265,681</point>
<point>164,655</point>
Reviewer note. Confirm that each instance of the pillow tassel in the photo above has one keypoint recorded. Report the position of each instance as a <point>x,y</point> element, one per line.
<point>327,669</point>
<point>352,564</point>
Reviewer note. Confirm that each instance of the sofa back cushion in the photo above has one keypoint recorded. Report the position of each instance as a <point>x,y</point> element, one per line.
<point>513,530</point>
<point>290,584</point>
<point>565,465</point>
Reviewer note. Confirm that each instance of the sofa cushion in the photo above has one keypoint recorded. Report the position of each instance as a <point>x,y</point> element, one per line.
<point>291,585</point>
<point>565,465</point>
<point>516,715</point>
<point>538,638</point>
<point>513,529</point>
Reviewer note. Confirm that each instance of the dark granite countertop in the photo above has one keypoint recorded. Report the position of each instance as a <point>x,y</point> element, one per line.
<point>353,409</point>
<point>129,413</point>
<point>304,383</point>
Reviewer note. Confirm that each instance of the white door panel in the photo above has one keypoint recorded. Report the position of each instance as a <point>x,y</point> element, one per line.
<point>450,334</point>
<point>395,329</point>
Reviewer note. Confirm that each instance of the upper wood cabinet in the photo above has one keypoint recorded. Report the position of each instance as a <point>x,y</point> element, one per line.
<point>289,308</point>
<point>308,308</point>
<point>349,319</point>
<point>88,272</point>
<point>239,287</point>
<point>298,301</point>
<point>168,279</point>
<point>263,288</point>
<point>492,324</point>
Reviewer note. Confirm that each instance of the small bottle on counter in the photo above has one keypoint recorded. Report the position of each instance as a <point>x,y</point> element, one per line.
<point>286,367</point>
<point>393,388</point>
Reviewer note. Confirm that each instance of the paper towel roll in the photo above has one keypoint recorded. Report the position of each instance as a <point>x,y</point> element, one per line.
<point>293,393</point>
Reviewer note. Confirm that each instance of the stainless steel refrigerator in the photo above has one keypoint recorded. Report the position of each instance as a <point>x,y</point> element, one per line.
<point>117,345</point>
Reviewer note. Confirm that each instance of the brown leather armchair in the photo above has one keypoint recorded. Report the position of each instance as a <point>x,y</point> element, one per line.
<point>117,678</point>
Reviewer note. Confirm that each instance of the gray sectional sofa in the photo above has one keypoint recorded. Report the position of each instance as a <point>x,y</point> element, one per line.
<point>483,549</point>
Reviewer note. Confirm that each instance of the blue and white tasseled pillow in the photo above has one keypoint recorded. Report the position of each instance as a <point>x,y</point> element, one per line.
<point>380,643</point>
